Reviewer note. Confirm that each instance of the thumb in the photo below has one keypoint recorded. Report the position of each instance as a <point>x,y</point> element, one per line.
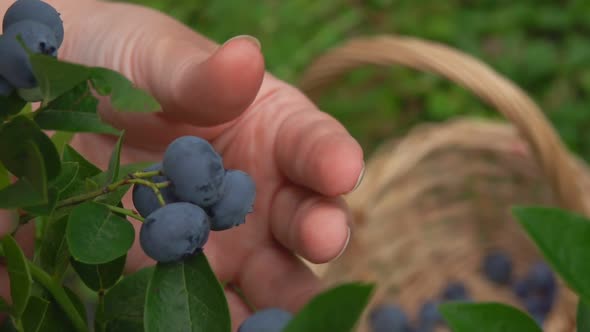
<point>195,81</point>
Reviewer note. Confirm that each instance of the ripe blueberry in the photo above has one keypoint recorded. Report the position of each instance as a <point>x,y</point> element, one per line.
<point>455,291</point>
<point>237,201</point>
<point>497,267</point>
<point>174,231</point>
<point>389,318</point>
<point>15,66</point>
<point>38,11</point>
<point>144,198</point>
<point>196,170</point>
<point>429,318</point>
<point>266,320</point>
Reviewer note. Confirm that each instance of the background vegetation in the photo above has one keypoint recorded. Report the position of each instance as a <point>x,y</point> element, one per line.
<point>541,45</point>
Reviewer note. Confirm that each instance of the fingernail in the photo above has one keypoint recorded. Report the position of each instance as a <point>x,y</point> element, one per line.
<point>345,245</point>
<point>253,40</point>
<point>360,179</point>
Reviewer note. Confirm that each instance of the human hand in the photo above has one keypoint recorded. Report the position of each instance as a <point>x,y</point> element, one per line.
<point>301,159</point>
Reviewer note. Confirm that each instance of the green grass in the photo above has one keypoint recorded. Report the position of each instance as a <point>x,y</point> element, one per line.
<point>541,45</point>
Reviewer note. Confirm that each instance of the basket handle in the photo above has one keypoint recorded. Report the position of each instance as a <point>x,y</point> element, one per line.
<point>563,170</point>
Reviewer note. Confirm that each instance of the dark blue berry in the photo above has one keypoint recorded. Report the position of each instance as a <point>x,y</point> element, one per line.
<point>389,318</point>
<point>38,11</point>
<point>455,291</point>
<point>237,201</point>
<point>144,198</point>
<point>497,267</point>
<point>196,170</point>
<point>174,231</point>
<point>267,320</point>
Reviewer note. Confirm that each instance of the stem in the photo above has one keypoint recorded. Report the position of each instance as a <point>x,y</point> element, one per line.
<point>19,325</point>
<point>60,296</point>
<point>155,187</point>
<point>142,175</point>
<point>112,187</point>
<point>99,324</point>
<point>125,212</point>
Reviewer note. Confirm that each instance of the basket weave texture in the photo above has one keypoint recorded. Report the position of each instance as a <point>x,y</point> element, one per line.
<point>434,202</point>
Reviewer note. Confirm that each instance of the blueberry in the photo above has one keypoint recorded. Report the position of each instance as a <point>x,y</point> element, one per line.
<point>145,199</point>
<point>196,170</point>
<point>174,231</point>
<point>389,318</point>
<point>15,66</point>
<point>237,201</point>
<point>38,11</point>
<point>266,320</point>
<point>429,318</point>
<point>497,267</point>
<point>541,277</point>
<point>539,305</point>
<point>455,291</point>
<point>537,291</point>
<point>6,88</point>
<point>521,288</point>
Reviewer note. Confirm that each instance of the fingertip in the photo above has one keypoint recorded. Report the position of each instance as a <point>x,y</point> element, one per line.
<point>340,166</point>
<point>324,233</point>
<point>222,86</point>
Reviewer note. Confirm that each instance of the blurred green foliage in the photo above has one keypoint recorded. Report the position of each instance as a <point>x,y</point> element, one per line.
<point>541,45</point>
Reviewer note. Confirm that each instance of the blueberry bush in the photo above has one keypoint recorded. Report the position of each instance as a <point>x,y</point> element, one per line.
<point>83,227</point>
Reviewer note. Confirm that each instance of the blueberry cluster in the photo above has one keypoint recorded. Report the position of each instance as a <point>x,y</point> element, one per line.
<point>41,29</point>
<point>201,196</point>
<point>391,318</point>
<point>537,290</point>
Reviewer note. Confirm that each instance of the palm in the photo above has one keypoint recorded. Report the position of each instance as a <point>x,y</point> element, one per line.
<point>301,159</point>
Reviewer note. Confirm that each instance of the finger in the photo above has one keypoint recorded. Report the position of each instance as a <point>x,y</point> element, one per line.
<point>315,227</point>
<point>192,83</point>
<point>8,221</point>
<point>238,309</point>
<point>329,160</point>
<point>272,277</point>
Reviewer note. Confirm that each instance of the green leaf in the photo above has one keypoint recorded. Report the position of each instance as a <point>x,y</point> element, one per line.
<point>337,309</point>
<point>115,161</point>
<point>35,314</point>
<point>69,171</point>
<point>124,303</point>
<point>19,274</point>
<point>54,255</point>
<point>86,168</point>
<point>4,177</point>
<point>95,235</point>
<point>186,296</point>
<point>44,315</point>
<point>79,99</point>
<point>583,320</point>
<point>4,307</point>
<point>47,208</point>
<point>57,77</point>
<point>10,105</point>
<point>60,139</point>
<point>19,194</point>
<point>562,237</point>
<point>486,317</point>
<point>100,277</point>
<point>124,96</point>
<point>73,122</point>
<point>13,138</point>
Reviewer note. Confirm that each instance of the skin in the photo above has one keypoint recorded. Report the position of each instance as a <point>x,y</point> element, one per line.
<point>301,159</point>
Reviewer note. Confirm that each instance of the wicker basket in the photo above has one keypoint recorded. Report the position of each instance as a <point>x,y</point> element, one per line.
<point>434,202</point>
